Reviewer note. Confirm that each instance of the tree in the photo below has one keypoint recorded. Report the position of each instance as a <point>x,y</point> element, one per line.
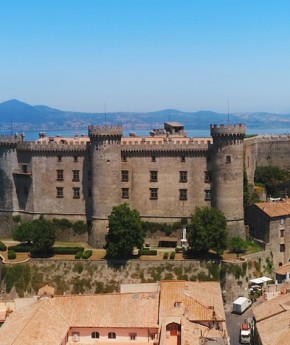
<point>271,177</point>
<point>42,235</point>
<point>22,233</point>
<point>39,233</point>
<point>125,232</point>
<point>207,230</point>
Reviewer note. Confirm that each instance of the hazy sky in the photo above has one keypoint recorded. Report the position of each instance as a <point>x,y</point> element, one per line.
<point>142,55</point>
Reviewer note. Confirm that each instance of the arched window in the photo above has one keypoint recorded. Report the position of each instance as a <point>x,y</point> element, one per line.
<point>112,335</point>
<point>95,335</point>
<point>173,327</point>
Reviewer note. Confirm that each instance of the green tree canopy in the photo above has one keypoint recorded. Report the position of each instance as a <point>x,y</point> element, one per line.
<point>125,232</point>
<point>39,233</point>
<point>207,230</point>
<point>271,177</point>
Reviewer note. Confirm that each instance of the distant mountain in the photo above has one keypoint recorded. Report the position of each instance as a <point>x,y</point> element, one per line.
<point>22,116</point>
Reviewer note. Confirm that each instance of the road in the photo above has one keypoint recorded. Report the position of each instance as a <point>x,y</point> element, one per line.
<point>234,322</point>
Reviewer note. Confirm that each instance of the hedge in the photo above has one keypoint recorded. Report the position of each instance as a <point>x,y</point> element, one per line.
<point>165,256</point>
<point>87,254</point>
<point>67,250</point>
<point>11,255</point>
<point>172,255</point>
<point>148,252</point>
<point>24,248</point>
<point>2,247</point>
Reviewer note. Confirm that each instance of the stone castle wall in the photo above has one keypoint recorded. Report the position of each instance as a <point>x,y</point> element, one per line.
<point>30,181</point>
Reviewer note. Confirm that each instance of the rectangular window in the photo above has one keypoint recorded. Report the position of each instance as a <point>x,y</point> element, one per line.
<point>282,221</point>
<point>153,193</point>
<point>133,336</point>
<point>125,193</point>
<point>207,177</point>
<point>282,247</point>
<point>182,176</point>
<point>153,176</point>
<point>76,175</point>
<point>228,159</point>
<point>125,175</point>
<point>24,168</point>
<point>76,193</point>
<point>124,159</point>
<point>182,159</point>
<point>182,194</point>
<point>59,158</point>
<point>282,233</point>
<point>153,159</point>
<point>76,158</point>
<point>207,195</point>
<point>59,192</point>
<point>59,175</point>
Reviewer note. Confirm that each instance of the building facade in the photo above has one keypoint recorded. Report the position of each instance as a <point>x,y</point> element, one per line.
<point>164,176</point>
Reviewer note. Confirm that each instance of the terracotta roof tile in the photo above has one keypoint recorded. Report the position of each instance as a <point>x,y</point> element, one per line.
<point>275,209</point>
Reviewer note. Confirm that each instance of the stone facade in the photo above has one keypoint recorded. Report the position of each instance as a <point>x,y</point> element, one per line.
<point>164,176</point>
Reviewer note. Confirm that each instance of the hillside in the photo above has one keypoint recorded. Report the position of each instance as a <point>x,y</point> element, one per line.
<point>21,116</point>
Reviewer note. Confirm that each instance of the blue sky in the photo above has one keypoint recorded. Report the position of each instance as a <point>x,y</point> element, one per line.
<point>142,55</point>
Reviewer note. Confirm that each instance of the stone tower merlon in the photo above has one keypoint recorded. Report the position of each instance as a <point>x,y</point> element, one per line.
<point>106,177</point>
<point>227,174</point>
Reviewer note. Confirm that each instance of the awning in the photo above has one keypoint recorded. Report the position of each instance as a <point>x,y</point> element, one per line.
<point>260,280</point>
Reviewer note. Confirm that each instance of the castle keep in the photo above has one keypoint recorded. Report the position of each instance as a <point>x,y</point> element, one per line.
<point>164,176</point>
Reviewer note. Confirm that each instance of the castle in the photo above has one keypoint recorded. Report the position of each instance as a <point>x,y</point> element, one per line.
<point>164,175</point>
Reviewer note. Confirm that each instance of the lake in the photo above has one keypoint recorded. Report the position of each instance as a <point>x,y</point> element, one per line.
<point>197,133</point>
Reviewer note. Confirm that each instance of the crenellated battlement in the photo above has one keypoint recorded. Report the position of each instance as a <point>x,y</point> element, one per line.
<point>52,146</point>
<point>228,130</point>
<point>159,144</point>
<point>266,138</point>
<point>105,131</point>
<point>11,139</point>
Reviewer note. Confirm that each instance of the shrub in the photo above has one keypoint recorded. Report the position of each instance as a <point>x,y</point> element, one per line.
<point>165,256</point>
<point>79,254</point>
<point>148,252</point>
<point>62,223</point>
<point>22,247</point>
<point>11,255</point>
<point>179,250</point>
<point>2,247</point>
<point>80,227</point>
<point>87,254</point>
<point>172,255</point>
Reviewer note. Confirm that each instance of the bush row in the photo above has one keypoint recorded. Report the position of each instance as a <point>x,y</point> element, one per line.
<point>67,250</point>
<point>148,252</point>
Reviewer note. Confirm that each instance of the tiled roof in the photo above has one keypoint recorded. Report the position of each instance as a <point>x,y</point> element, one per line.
<point>273,320</point>
<point>48,320</point>
<point>283,269</point>
<point>46,290</point>
<point>197,298</point>
<point>118,310</point>
<point>274,209</point>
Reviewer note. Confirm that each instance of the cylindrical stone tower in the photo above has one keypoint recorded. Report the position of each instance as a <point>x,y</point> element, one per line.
<point>106,176</point>
<point>227,175</point>
<point>8,166</point>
